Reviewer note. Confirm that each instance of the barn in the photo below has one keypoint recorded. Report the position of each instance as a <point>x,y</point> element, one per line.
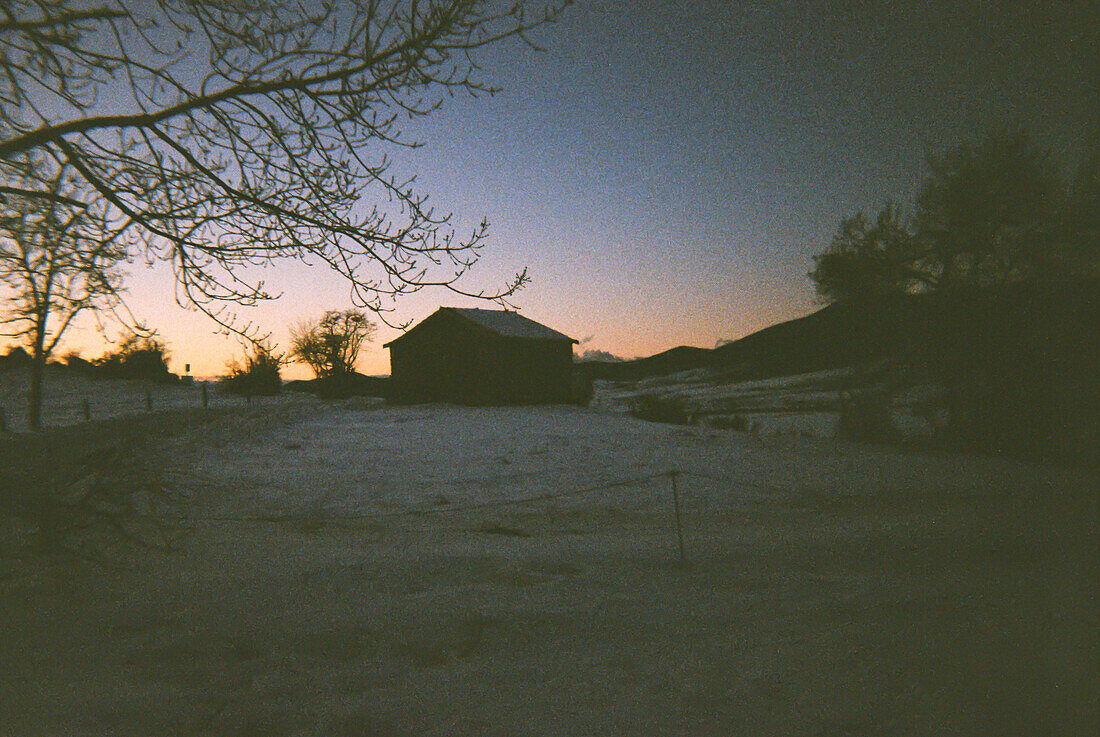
<point>475,356</point>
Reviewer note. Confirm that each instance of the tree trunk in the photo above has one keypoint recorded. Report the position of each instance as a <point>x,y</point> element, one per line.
<point>34,396</point>
<point>38,370</point>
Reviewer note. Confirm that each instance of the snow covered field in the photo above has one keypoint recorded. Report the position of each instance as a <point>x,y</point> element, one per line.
<point>65,393</point>
<point>357,570</point>
<point>804,404</point>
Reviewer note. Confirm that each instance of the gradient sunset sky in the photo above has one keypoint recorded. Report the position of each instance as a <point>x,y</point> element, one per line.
<point>666,170</point>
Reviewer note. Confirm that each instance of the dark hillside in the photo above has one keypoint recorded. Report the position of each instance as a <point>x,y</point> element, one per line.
<point>838,335</point>
<point>1019,366</point>
<point>1055,320</point>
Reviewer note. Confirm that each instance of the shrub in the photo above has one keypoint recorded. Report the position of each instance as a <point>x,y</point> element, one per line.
<point>865,416</point>
<point>256,375</point>
<point>92,491</point>
<point>15,358</point>
<point>78,363</point>
<point>730,422</point>
<point>580,390</point>
<point>336,386</point>
<point>655,408</point>
<point>136,358</point>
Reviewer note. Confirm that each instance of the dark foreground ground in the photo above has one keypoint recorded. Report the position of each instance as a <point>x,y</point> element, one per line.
<point>829,589</point>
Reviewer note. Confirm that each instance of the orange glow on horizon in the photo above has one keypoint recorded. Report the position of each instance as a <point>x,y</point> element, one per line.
<point>191,338</point>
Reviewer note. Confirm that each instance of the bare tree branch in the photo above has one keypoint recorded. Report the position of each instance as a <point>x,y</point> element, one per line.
<point>224,135</point>
<point>58,260</point>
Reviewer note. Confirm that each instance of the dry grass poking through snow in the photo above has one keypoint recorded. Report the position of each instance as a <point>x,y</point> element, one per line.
<point>831,590</point>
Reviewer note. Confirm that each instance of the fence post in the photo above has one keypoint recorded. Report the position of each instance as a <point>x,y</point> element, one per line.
<point>3,420</point>
<point>86,409</point>
<point>205,398</point>
<point>676,506</point>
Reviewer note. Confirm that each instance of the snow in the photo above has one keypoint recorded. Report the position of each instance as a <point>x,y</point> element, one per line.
<point>65,392</point>
<point>831,588</point>
<point>502,322</point>
<point>510,324</point>
<point>803,404</point>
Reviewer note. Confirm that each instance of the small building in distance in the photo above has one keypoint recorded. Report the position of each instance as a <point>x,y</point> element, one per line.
<point>475,356</point>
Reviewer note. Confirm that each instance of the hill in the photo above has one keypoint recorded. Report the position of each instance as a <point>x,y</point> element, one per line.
<point>835,336</point>
<point>681,358</point>
<point>1016,368</point>
<point>1048,317</point>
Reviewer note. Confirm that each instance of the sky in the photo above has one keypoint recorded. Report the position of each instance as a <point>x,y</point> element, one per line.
<point>667,170</point>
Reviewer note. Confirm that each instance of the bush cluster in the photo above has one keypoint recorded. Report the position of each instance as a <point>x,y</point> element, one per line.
<point>865,417</point>
<point>580,390</point>
<point>736,422</point>
<point>257,375</point>
<point>656,408</point>
<point>135,358</point>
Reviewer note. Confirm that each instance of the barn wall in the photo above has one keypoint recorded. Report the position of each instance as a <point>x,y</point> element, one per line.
<point>532,371</point>
<point>446,359</point>
<point>435,362</point>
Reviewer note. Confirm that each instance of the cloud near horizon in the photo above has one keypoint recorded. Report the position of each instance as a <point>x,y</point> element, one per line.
<point>595,354</point>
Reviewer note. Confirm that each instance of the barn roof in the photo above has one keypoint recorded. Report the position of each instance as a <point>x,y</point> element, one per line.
<point>504,323</point>
<point>510,324</point>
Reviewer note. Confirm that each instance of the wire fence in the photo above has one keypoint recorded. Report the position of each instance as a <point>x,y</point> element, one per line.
<point>110,399</point>
<point>415,511</point>
<point>680,501</point>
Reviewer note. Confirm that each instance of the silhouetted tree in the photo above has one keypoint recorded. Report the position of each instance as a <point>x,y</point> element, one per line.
<point>995,223</point>
<point>222,134</point>
<point>991,213</point>
<point>257,374</point>
<point>58,258</point>
<point>988,213</point>
<point>331,345</point>
<point>870,259</point>
<point>137,357</point>
<point>76,362</point>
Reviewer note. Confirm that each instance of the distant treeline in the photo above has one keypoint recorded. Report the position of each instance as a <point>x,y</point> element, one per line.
<point>345,385</point>
<point>135,358</point>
